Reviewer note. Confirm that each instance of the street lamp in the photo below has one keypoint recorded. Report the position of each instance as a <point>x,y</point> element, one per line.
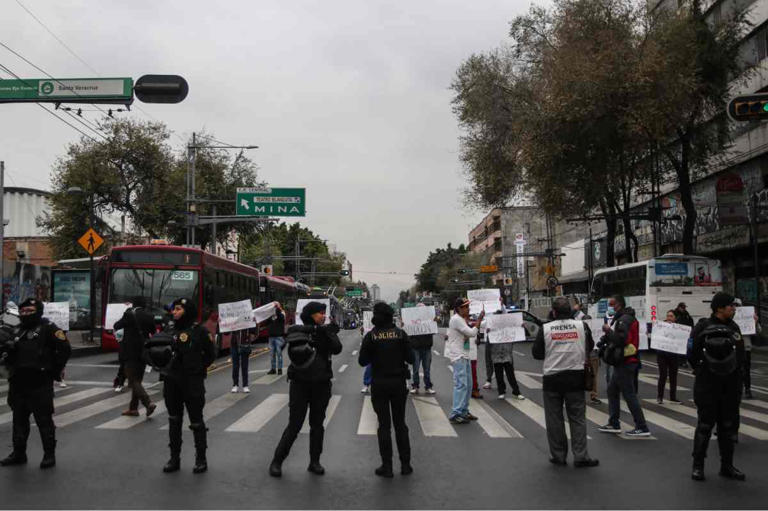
<point>77,191</point>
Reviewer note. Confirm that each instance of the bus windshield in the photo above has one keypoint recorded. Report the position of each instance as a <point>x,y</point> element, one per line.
<point>155,288</point>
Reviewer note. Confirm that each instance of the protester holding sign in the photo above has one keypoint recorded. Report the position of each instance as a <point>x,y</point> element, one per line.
<point>240,350</point>
<point>421,344</point>
<point>500,342</point>
<point>668,362</point>
<point>457,349</point>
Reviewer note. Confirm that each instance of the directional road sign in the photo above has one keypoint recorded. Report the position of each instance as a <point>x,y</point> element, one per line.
<point>271,202</point>
<point>353,292</point>
<point>78,90</point>
<point>90,241</point>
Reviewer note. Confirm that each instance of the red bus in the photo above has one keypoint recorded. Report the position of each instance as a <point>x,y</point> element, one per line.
<point>159,274</point>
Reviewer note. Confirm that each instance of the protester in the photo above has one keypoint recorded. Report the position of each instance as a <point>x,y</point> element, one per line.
<point>386,351</point>
<point>137,325</point>
<point>276,332</point>
<point>503,362</point>
<point>624,332</point>
<point>683,318</point>
<point>667,363</point>
<point>717,357</point>
<point>457,349</point>
<point>422,356</point>
<point>240,349</point>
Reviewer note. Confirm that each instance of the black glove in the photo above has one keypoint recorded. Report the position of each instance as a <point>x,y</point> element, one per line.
<point>331,328</point>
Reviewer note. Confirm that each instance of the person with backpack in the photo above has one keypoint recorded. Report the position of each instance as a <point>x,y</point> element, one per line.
<point>137,325</point>
<point>310,347</point>
<point>717,358</point>
<point>620,346</point>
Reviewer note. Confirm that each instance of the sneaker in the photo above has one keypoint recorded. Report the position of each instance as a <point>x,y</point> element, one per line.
<point>585,463</point>
<point>502,396</point>
<point>458,420</point>
<point>519,397</point>
<point>487,385</point>
<point>595,401</point>
<point>235,389</point>
<point>62,384</point>
<point>659,401</point>
<point>119,389</point>
<point>637,432</point>
<point>608,428</point>
<point>414,390</point>
<point>271,371</point>
<point>431,391</point>
<point>279,371</point>
<point>675,401</point>
<point>365,389</point>
<point>246,390</point>
<point>470,417</point>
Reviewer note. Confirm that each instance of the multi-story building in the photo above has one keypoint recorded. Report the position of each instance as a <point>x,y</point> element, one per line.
<point>375,292</point>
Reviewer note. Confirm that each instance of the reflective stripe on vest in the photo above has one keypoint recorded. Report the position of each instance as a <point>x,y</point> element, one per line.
<point>564,343</point>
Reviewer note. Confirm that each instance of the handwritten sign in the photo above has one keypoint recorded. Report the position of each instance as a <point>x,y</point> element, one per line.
<point>419,320</point>
<point>57,313</point>
<point>503,328</point>
<point>264,312</point>
<point>490,299</point>
<point>304,301</point>
<point>670,337</point>
<point>745,318</point>
<point>236,316</point>
<point>367,324</point>
<point>115,311</point>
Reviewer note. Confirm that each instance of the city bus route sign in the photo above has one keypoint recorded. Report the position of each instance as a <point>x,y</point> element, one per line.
<point>91,241</point>
<point>271,202</point>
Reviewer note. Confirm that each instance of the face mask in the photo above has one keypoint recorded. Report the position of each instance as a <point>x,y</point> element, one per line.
<point>29,320</point>
<point>611,311</point>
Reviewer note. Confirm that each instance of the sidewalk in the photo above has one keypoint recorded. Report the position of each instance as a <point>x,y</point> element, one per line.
<point>81,343</point>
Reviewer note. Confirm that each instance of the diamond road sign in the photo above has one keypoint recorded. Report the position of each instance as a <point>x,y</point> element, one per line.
<point>78,90</point>
<point>271,202</point>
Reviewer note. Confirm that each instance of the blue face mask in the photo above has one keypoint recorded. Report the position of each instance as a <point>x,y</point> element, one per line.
<point>611,311</point>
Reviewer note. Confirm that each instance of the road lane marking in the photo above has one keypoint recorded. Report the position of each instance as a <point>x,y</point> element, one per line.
<point>332,405</point>
<point>354,353</point>
<point>654,380</point>
<point>255,371</point>
<point>744,429</point>
<point>534,412</point>
<point>93,409</point>
<point>524,378</point>
<point>61,401</point>
<point>672,425</point>
<point>519,353</point>
<point>267,379</point>
<point>343,368</point>
<point>126,422</point>
<point>493,423</point>
<point>755,402</point>
<point>433,420</point>
<point>436,352</point>
<point>218,405</point>
<point>601,419</point>
<point>369,423</point>
<point>254,420</point>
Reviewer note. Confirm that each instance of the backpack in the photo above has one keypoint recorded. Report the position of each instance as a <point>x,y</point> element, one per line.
<point>610,353</point>
<point>300,351</point>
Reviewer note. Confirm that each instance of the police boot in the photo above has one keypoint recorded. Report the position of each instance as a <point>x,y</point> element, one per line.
<point>731,472</point>
<point>201,463</point>
<point>697,474</point>
<point>16,457</point>
<point>48,438</point>
<point>385,470</point>
<point>174,434</point>
<point>19,454</point>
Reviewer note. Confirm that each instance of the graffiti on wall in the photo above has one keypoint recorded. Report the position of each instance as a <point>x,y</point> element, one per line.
<point>22,281</point>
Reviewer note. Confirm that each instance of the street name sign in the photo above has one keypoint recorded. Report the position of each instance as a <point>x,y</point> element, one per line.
<point>69,90</point>
<point>353,292</point>
<point>271,202</point>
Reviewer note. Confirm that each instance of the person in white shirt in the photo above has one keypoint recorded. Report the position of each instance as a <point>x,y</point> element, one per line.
<point>457,349</point>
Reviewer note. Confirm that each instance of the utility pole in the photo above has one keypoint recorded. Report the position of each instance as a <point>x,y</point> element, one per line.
<point>756,252</point>
<point>213,231</point>
<point>93,273</point>
<point>2,235</point>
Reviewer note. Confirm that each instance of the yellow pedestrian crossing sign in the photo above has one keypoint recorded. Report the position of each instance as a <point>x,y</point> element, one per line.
<point>91,241</point>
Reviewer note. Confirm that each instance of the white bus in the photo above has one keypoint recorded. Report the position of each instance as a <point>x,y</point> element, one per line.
<point>657,285</point>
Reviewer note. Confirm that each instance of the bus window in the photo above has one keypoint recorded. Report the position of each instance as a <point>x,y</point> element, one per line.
<point>155,287</point>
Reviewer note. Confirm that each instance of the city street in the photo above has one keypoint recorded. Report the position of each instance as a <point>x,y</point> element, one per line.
<point>108,461</point>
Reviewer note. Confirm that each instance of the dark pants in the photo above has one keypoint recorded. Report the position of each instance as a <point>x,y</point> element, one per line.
<point>488,362</point>
<point>423,357</point>
<point>510,370</point>
<point>135,377</point>
<point>576,409</point>
<point>37,401</point>
<point>668,363</point>
<point>240,360</point>
<point>623,384</point>
<point>189,392</point>
<point>717,402</point>
<point>388,400</point>
<point>747,369</point>
<point>119,380</point>
<point>303,395</point>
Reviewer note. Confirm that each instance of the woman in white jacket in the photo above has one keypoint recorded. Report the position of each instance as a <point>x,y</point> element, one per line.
<point>457,349</point>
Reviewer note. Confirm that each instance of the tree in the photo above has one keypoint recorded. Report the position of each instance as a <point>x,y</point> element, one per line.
<point>429,273</point>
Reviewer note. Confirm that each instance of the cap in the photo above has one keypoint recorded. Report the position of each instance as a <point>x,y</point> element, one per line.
<point>460,302</point>
<point>681,304</point>
<point>720,300</point>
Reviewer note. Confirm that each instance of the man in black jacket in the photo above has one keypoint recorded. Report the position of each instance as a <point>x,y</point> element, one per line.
<point>387,349</point>
<point>310,347</point>
<point>137,325</point>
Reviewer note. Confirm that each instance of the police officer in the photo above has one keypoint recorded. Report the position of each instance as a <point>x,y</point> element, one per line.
<point>716,357</point>
<point>184,380</point>
<point>387,349</point>
<point>38,356</point>
<point>310,347</point>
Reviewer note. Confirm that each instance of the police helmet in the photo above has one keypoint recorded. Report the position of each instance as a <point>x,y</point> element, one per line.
<point>300,351</point>
<point>159,350</point>
<point>719,349</point>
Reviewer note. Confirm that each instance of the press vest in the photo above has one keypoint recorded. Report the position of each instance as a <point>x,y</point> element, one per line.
<point>564,346</point>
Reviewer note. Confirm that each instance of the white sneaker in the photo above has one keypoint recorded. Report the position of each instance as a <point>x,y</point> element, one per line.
<point>487,385</point>
<point>431,391</point>
<point>365,389</point>
<point>62,384</point>
<point>519,397</point>
<point>235,389</point>
<point>414,390</point>
<point>502,396</point>
<point>246,390</point>
<point>119,389</point>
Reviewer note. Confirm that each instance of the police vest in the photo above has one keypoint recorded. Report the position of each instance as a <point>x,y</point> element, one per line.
<point>565,346</point>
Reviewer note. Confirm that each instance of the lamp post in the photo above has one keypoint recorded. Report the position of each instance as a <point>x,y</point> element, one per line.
<point>76,190</point>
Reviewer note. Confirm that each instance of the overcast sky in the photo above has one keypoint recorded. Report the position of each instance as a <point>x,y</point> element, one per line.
<point>348,98</point>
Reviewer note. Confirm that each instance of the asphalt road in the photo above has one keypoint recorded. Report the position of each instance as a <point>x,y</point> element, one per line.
<point>500,462</point>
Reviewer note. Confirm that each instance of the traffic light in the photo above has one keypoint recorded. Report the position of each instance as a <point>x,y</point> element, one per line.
<point>161,89</point>
<point>462,271</point>
<point>344,273</point>
<point>749,108</point>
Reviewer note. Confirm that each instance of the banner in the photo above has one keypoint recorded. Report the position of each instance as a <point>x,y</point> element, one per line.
<point>745,318</point>
<point>504,328</point>
<point>264,312</point>
<point>490,299</point>
<point>236,316</point>
<point>670,337</point>
<point>367,325</point>
<point>115,311</point>
<point>57,313</point>
<point>304,301</point>
<point>419,320</point>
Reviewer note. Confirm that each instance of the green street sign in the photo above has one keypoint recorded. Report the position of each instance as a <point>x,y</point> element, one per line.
<point>271,202</point>
<point>69,90</point>
<point>353,292</point>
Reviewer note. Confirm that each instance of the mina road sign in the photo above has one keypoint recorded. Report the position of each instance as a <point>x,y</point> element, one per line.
<point>69,90</point>
<point>271,202</point>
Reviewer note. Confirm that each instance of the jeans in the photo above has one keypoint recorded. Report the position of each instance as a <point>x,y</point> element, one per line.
<point>240,361</point>
<point>623,384</point>
<point>576,409</point>
<point>423,355</point>
<point>462,387</point>
<point>367,375</point>
<point>276,347</point>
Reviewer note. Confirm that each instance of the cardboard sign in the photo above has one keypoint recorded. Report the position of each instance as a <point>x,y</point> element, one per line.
<point>419,320</point>
<point>115,311</point>
<point>367,324</point>
<point>745,318</point>
<point>304,301</point>
<point>57,313</point>
<point>670,337</point>
<point>488,299</point>
<point>236,316</point>
<point>264,312</point>
<point>504,328</point>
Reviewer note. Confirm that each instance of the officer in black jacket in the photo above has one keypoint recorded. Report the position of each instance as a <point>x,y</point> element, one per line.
<point>310,347</point>
<point>716,357</point>
<point>387,349</point>
<point>39,353</point>
<point>184,384</point>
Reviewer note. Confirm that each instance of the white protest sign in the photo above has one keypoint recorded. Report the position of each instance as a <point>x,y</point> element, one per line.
<point>304,301</point>
<point>745,318</point>
<point>419,320</point>
<point>670,337</point>
<point>490,299</point>
<point>57,313</point>
<point>367,324</point>
<point>264,312</point>
<point>115,311</point>
<point>505,328</point>
<point>236,316</point>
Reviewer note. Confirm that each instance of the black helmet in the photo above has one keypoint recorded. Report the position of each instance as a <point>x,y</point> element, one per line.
<point>300,351</point>
<point>719,349</point>
<point>159,350</point>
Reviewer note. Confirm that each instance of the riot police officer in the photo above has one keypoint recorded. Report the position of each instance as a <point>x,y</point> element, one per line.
<point>39,353</point>
<point>184,381</point>
<point>387,349</point>
<point>717,356</point>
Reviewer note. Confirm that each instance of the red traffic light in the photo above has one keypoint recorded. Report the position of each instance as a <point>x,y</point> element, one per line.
<point>161,89</point>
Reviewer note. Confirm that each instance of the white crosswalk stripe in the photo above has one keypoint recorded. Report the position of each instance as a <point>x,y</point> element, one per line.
<point>254,420</point>
<point>744,429</point>
<point>525,379</point>
<point>332,405</point>
<point>125,422</point>
<point>368,421</point>
<point>654,380</point>
<point>755,402</point>
<point>493,423</point>
<point>266,379</point>
<point>3,387</point>
<point>672,425</point>
<point>432,419</point>
<point>92,410</point>
<point>217,406</point>
<point>60,401</point>
<point>601,419</point>
<point>343,368</point>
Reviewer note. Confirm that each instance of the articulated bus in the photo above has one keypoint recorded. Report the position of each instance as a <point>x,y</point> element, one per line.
<point>657,285</point>
<point>158,274</point>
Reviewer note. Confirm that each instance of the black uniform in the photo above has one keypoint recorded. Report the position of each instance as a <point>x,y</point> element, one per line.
<point>387,350</point>
<point>39,352</point>
<point>138,325</point>
<point>717,390</point>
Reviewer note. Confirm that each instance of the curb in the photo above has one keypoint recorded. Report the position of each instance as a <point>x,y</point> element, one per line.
<point>86,351</point>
